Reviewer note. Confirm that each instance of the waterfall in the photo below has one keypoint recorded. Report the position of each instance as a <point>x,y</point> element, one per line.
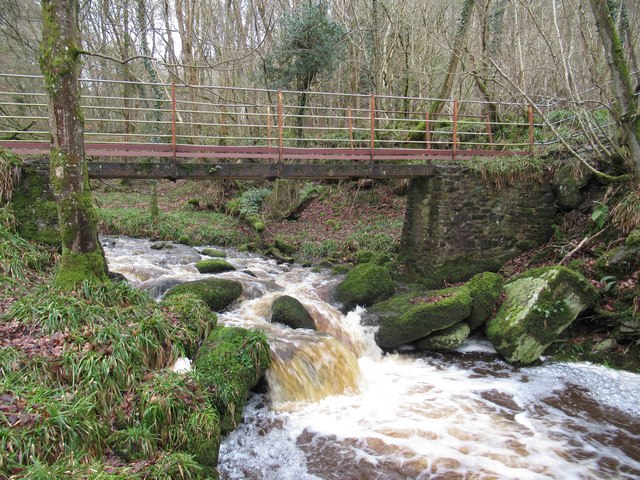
<point>337,408</point>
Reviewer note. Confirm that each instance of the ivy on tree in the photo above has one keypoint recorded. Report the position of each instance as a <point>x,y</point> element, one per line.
<point>309,45</point>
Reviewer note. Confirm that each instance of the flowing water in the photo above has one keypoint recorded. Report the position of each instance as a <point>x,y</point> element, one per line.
<point>338,408</point>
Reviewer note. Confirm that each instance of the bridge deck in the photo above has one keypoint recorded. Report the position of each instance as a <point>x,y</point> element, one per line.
<point>282,163</point>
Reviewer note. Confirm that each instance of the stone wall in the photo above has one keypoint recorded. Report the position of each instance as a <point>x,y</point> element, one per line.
<point>456,225</point>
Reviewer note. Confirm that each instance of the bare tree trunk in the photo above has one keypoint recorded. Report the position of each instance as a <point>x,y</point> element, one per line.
<point>626,106</point>
<point>458,44</point>
<point>82,256</point>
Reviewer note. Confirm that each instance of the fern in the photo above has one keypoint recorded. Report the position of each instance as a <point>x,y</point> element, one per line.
<point>600,215</point>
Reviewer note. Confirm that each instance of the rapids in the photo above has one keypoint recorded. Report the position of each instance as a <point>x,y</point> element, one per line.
<point>337,408</point>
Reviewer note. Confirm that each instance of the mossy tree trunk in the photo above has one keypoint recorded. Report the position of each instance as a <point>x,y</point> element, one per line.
<point>626,105</point>
<point>82,255</point>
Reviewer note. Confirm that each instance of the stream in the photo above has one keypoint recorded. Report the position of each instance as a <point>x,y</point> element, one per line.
<point>338,408</point>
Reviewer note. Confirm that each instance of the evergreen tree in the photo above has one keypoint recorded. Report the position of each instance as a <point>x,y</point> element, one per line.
<point>309,45</point>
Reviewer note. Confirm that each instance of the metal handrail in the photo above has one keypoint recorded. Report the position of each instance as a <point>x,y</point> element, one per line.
<point>328,118</point>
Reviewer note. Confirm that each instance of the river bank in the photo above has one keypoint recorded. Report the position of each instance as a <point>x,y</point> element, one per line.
<point>49,349</point>
<point>349,222</point>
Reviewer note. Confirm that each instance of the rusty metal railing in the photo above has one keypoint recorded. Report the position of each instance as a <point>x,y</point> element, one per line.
<point>140,119</point>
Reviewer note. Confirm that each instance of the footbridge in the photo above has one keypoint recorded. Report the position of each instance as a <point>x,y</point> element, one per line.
<point>164,130</point>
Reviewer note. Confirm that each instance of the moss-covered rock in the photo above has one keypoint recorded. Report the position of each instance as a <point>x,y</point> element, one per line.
<point>217,293</point>
<point>485,289</point>
<point>215,265</point>
<point>231,362</point>
<point>538,306</point>
<point>284,246</point>
<point>365,285</point>
<point>289,311</point>
<point>457,270</point>
<point>445,340</point>
<point>273,252</point>
<point>212,252</point>
<point>568,183</point>
<point>620,262</point>
<point>191,313</point>
<point>410,317</point>
<point>161,246</point>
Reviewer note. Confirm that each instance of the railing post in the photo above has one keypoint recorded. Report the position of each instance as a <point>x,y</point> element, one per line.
<point>268,126</point>
<point>173,119</point>
<point>373,127</point>
<point>531,131</point>
<point>280,129</point>
<point>489,131</point>
<point>174,108</point>
<point>350,130</point>
<point>455,128</point>
<point>427,131</point>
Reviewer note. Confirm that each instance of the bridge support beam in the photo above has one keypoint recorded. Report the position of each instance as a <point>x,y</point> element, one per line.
<point>457,225</point>
<point>169,170</point>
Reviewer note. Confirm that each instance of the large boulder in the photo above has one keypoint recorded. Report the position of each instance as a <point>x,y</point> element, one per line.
<point>406,318</point>
<point>568,185</point>
<point>217,293</point>
<point>365,285</point>
<point>538,306</point>
<point>214,265</point>
<point>485,290</point>
<point>445,340</point>
<point>291,312</point>
<point>230,362</point>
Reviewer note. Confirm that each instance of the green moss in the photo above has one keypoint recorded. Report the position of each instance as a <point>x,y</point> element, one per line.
<point>230,362</point>
<point>184,240</point>
<point>285,247</point>
<point>217,293</point>
<point>365,256</point>
<point>340,269</point>
<point>214,266</point>
<point>35,211</point>
<point>407,318</point>
<point>619,262</point>
<point>365,285</point>
<point>191,313</point>
<point>446,339</point>
<point>633,239</point>
<point>74,268</point>
<point>289,311</point>
<point>458,270</point>
<point>485,289</point>
<point>56,58</point>
<point>256,223</point>
<point>210,252</point>
<point>539,305</point>
<point>579,265</point>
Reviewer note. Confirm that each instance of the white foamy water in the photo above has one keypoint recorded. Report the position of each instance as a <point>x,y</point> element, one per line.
<point>460,415</point>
